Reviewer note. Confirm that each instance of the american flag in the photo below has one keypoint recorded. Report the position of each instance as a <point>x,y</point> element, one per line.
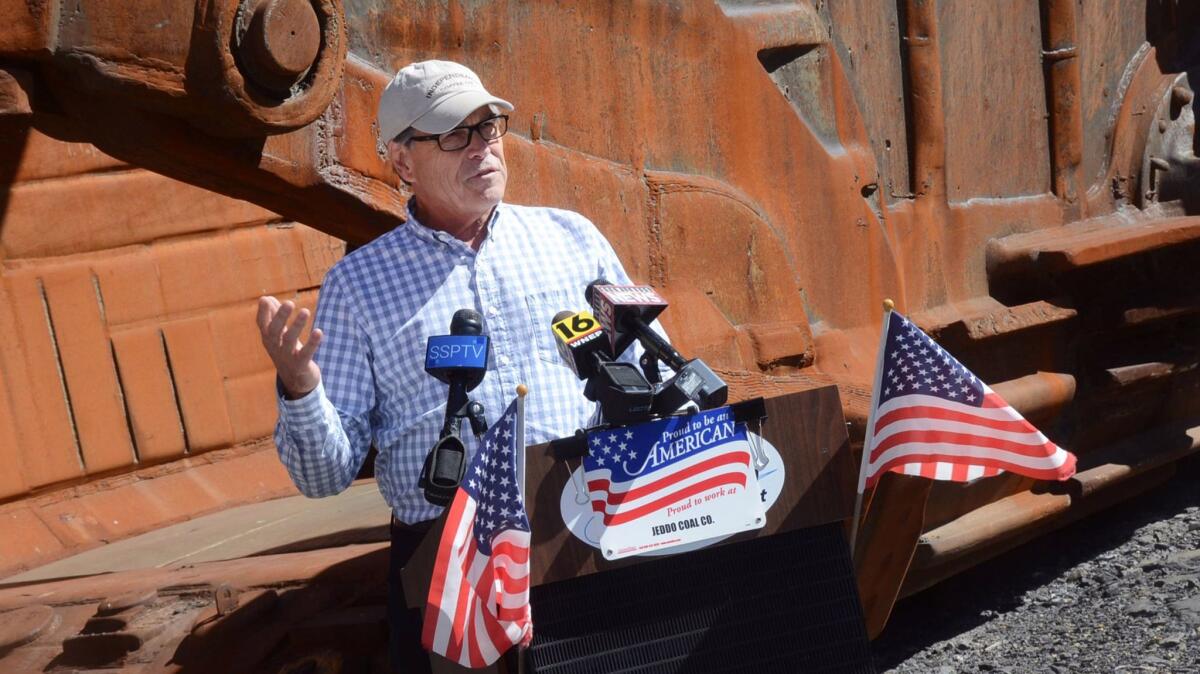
<point>478,604</point>
<point>633,472</point>
<point>932,417</point>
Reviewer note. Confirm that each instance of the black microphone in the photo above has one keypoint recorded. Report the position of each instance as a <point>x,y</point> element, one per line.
<point>581,341</point>
<point>622,391</point>
<point>626,311</point>
<point>460,360</point>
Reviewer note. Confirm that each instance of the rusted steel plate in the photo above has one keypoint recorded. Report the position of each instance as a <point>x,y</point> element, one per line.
<point>1088,243</point>
<point>22,625</point>
<point>984,317</point>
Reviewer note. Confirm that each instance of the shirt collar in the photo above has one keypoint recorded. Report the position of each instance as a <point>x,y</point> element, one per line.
<point>437,236</point>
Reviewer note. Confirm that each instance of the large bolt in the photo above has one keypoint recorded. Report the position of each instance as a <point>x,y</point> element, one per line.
<point>281,41</point>
<point>1181,95</point>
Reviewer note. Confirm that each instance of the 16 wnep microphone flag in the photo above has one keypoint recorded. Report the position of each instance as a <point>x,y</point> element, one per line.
<point>478,602</point>
<point>931,416</point>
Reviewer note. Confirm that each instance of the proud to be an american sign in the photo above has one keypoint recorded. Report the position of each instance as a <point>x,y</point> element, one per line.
<point>672,482</point>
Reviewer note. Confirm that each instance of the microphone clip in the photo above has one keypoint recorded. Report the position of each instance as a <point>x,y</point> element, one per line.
<point>443,471</point>
<point>649,362</point>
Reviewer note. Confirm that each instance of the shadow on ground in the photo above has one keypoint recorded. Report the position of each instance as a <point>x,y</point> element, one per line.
<point>997,586</point>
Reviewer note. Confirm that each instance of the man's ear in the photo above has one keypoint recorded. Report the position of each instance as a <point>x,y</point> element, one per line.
<point>400,156</point>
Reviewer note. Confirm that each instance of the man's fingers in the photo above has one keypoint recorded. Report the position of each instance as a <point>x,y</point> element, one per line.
<point>275,328</point>
<point>292,334</point>
<point>310,347</point>
<point>267,306</point>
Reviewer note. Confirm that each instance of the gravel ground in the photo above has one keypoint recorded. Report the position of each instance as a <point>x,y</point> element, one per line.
<point>1119,592</point>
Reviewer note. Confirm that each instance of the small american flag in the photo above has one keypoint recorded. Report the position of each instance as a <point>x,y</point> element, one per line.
<point>478,604</point>
<point>632,473</point>
<point>932,417</point>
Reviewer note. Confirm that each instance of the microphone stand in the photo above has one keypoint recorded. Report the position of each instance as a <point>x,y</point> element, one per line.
<point>447,460</point>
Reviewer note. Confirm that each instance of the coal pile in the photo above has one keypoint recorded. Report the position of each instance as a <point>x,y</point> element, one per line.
<point>1119,592</point>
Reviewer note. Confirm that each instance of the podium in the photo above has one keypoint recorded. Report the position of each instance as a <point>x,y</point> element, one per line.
<point>780,598</point>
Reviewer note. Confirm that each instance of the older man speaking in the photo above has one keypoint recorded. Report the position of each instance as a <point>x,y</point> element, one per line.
<point>358,379</point>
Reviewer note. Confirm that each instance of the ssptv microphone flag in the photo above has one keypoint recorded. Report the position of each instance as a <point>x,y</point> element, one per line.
<point>931,416</point>
<point>478,602</point>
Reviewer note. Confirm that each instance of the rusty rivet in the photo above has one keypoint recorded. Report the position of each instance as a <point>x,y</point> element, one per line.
<point>535,126</point>
<point>226,598</point>
<point>1181,95</point>
<point>281,42</point>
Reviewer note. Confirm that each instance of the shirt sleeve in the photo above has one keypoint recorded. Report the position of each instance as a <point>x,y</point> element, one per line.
<point>324,436</point>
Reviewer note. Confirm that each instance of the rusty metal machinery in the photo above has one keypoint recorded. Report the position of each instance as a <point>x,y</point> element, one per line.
<point>1020,176</point>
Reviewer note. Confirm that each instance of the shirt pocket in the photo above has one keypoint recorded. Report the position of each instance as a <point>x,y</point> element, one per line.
<point>542,307</point>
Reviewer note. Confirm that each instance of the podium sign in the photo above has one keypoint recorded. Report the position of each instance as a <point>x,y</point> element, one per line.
<point>672,482</point>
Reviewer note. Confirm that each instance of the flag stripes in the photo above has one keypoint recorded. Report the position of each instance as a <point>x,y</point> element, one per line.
<point>622,502</point>
<point>934,418</point>
<point>478,602</point>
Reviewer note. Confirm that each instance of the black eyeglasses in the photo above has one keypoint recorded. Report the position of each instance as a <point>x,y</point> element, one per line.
<point>457,138</point>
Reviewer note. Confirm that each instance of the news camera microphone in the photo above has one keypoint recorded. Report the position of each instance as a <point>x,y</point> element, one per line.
<point>622,391</point>
<point>626,311</point>
<point>459,359</point>
<point>581,341</point>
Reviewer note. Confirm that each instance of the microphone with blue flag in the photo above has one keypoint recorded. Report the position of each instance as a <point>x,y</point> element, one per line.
<point>460,360</point>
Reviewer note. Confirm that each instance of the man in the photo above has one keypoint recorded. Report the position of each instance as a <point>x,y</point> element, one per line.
<point>358,380</point>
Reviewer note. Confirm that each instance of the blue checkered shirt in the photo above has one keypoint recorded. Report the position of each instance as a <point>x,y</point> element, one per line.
<point>380,304</point>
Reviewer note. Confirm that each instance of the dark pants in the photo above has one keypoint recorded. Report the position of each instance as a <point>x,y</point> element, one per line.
<point>404,624</point>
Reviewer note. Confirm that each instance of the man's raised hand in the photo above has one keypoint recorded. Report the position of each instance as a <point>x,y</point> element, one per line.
<point>293,360</point>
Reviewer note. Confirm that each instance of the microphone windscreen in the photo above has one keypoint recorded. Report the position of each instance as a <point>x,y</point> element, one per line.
<point>561,315</point>
<point>466,322</point>
<point>591,288</point>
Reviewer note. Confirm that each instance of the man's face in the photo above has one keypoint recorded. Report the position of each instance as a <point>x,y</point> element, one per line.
<point>468,180</point>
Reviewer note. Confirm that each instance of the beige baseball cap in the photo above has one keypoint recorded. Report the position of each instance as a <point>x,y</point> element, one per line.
<point>432,97</point>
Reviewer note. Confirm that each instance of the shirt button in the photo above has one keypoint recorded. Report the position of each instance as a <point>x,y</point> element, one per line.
<point>492,311</point>
<point>503,360</point>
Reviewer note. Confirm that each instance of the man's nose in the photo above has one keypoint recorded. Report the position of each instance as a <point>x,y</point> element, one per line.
<point>479,146</point>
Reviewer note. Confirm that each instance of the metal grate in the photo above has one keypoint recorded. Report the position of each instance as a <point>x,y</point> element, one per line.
<point>784,603</point>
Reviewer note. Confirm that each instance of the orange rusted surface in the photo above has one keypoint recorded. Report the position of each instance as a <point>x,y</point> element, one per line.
<point>1018,175</point>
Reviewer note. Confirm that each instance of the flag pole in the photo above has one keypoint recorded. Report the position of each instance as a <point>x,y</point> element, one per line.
<point>519,458</point>
<point>519,455</point>
<point>888,307</point>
